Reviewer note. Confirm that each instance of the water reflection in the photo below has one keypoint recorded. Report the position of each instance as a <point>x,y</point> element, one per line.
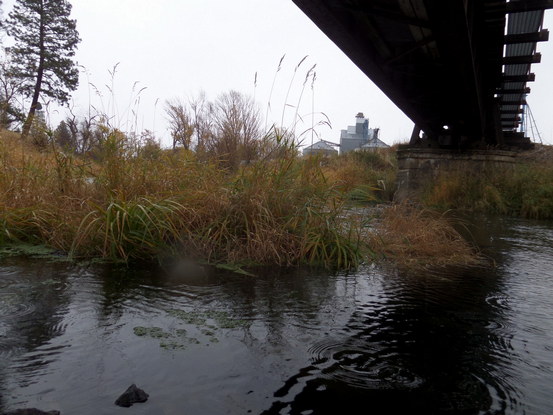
<point>465,340</point>
<point>423,342</point>
<point>33,301</point>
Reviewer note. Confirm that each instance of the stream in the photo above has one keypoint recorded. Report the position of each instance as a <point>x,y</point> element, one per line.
<point>474,340</point>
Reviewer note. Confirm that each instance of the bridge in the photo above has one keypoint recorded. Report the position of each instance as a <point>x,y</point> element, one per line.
<point>459,69</point>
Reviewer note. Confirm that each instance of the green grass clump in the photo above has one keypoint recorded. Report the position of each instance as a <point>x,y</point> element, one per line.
<point>128,230</point>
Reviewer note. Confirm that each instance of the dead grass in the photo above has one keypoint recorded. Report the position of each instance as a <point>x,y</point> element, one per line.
<point>122,205</point>
<point>415,237</point>
<point>363,176</point>
<point>524,189</point>
<point>119,205</point>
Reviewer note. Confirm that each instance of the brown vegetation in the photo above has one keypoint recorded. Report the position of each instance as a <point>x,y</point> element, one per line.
<point>415,237</point>
<point>128,199</point>
<point>524,189</point>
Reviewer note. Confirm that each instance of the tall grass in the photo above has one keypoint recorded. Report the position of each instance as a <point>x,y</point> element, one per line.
<point>364,176</point>
<point>418,237</point>
<point>123,206</point>
<point>524,189</point>
<point>127,202</point>
<point>128,230</point>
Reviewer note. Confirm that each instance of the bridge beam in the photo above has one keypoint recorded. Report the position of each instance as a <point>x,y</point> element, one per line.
<point>513,91</point>
<point>521,60</point>
<point>518,6</point>
<point>441,61</point>
<point>519,78</point>
<point>541,36</point>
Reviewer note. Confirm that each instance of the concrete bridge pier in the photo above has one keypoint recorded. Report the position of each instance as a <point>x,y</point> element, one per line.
<point>419,167</point>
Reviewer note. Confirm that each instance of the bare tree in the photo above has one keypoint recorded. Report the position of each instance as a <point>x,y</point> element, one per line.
<point>228,129</point>
<point>181,123</point>
<point>202,111</point>
<point>237,129</point>
<point>79,135</point>
<point>10,89</point>
<point>190,123</point>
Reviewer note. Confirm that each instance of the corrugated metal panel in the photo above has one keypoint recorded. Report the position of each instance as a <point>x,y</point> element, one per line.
<point>517,69</point>
<point>513,85</point>
<point>517,23</point>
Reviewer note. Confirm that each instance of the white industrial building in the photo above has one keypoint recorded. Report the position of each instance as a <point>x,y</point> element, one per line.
<point>360,137</point>
<point>321,147</point>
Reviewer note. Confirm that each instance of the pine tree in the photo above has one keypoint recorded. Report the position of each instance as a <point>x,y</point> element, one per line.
<point>45,42</point>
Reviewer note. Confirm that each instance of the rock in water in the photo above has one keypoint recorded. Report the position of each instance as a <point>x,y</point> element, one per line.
<point>131,395</point>
<point>30,411</point>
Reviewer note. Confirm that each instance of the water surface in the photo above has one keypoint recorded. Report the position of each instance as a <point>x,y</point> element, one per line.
<point>453,340</point>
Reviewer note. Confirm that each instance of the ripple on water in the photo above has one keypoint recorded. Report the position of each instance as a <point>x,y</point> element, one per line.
<point>499,301</point>
<point>365,366</point>
<point>12,305</point>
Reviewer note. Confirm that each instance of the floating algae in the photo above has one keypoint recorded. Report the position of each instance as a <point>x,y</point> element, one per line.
<point>153,332</point>
<point>189,317</point>
<point>221,319</point>
<point>204,328</point>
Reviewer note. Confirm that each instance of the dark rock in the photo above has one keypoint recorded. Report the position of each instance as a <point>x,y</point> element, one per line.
<point>30,411</point>
<point>131,395</point>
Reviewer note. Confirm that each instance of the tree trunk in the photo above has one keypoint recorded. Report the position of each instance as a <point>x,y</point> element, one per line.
<point>40,73</point>
<point>31,116</point>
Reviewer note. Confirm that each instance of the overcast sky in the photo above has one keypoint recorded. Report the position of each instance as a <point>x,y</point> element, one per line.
<point>175,49</point>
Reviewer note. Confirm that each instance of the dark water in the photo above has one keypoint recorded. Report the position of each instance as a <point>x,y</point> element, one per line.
<point>452,341</point>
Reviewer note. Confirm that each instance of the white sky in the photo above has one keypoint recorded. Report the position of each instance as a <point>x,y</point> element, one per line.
<point>178,48</point>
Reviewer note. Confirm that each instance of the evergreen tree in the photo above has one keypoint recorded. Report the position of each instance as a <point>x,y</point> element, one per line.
<point>45,42</point>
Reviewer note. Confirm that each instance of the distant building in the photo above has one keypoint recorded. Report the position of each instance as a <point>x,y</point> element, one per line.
<point>321,147</point>
<point>360,137</point>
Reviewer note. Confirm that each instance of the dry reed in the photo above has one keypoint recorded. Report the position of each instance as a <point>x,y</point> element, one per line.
<point>415,237</point>
<point>119,205</point>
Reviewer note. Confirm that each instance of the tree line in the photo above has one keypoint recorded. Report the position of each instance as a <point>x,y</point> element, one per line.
<point>39,67</point>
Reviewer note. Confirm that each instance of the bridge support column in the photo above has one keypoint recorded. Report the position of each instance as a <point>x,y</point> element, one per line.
<point>418,168</point>
<point>415,135</point>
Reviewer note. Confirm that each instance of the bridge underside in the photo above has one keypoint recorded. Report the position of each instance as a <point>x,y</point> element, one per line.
<point>443,63</point>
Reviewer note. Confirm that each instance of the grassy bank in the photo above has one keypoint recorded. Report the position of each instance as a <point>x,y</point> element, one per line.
<point>129,202</point>
<point>523,190</point>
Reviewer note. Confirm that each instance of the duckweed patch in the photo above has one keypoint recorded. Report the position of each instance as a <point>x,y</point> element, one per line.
<point>188,317</point>
<point>202,328</point>
<point>217,319</point>
<point>153,332</point>
<point>172,345</point>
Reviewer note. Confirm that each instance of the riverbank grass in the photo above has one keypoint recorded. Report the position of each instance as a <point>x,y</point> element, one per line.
<point>415,237</point>
<point>123,205</point>
<point>130,203</point>
<point>524,189</point>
